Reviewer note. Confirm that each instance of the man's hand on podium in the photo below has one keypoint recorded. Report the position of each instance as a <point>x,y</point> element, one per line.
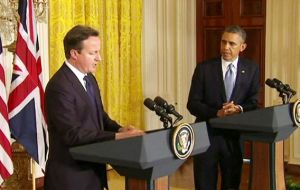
<point>128,131</point>
<point>229,108</point>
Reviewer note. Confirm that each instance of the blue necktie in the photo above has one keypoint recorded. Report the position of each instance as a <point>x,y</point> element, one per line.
<point>91,93</point>
<point>89,89</point>
<point>229,81</point>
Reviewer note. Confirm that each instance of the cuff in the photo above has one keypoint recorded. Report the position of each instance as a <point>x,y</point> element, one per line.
<point>241,108</point>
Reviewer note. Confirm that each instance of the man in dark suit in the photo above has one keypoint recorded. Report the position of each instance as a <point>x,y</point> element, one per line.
<point>221,87</point>
<point>75,115</point>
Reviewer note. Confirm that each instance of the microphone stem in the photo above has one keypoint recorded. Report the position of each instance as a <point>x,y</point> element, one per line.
<point>177,119</point>
<point>285,98</point>
<point>165,122</point>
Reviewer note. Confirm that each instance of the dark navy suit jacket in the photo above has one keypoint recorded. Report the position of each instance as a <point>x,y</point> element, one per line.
<point>73,120</point>
<point>207,92</point>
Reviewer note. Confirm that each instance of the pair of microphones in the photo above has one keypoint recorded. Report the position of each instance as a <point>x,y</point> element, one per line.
<point>163,109</point>
<point>280,87</point>
<point>285,91</point>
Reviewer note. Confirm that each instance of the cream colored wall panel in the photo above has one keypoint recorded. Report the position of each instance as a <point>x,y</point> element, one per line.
<point>44,50</point>
<point>151,69</point>
<point>169,56</point>
<point>282,59</point>
<point>186,54</point>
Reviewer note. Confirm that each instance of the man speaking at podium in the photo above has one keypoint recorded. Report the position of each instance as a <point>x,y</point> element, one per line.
<point>221,87</point>
<point>75,115</point>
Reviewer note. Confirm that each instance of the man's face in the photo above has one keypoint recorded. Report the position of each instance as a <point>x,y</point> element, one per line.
<point>87,59</point>
<point>231,45</point>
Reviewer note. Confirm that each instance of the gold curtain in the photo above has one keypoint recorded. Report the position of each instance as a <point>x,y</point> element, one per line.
<point>119,73</point>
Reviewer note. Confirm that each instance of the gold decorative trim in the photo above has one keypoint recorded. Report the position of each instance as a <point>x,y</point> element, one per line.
<point>21,178</point>
<point>296,113</point>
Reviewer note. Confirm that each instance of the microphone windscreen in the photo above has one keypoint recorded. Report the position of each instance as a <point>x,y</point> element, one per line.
<point>276,81</point>
<point>149,104</point>
<point>161,102</point>
<point>270,83</point>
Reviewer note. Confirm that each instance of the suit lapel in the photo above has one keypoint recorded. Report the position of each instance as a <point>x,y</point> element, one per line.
<point>98,100</point>
<point>220,81</point>
<point>79,89</point>
<point>240,77</point>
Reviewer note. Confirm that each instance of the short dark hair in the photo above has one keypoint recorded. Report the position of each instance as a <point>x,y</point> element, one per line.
<point>236,29</point>
<point>75,36</point>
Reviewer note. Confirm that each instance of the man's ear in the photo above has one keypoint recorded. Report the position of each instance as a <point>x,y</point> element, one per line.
<point>243,47</point>
<point>74,54</point>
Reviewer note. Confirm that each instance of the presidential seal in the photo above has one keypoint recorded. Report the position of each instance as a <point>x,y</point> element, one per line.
<point>183,141</point>
<point>296,112</point>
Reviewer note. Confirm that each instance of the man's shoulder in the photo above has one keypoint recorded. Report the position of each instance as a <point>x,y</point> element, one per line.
<point>59,76</point>
<point>248,64</point>
<point>247,61</point>
<point>210,62</point>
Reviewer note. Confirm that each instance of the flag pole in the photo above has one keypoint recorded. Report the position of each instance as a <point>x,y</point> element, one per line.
<point>33,173</point>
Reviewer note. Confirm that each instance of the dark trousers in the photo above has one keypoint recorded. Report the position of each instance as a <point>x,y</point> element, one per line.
<point>225,154</point>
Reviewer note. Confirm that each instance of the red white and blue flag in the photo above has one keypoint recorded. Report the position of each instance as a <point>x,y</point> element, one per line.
<point>6,164</point>
<point>26,98</point>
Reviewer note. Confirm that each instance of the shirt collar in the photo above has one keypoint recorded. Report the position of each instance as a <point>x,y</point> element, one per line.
<point>226,63</point>
<point>77,73</point>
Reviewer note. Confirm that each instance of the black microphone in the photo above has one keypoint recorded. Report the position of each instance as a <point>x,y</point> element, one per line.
<point>288,88</point>
<point>275,83</point>
<point>278,83</point>
<point>285,91</point>
<point>169,107</point>
<point>285,87</point>
<point>158,109</point>
<point>270,83</point>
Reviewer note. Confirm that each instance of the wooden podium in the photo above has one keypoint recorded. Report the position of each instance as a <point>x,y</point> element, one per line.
<point>146,160</point>
<point>266,128</point>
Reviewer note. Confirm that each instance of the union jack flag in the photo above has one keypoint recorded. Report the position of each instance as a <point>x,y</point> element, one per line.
<point>26,98</point>
<point>6,164</point>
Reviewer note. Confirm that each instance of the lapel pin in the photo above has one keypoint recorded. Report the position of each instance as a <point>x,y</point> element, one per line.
<point>243,71</point>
